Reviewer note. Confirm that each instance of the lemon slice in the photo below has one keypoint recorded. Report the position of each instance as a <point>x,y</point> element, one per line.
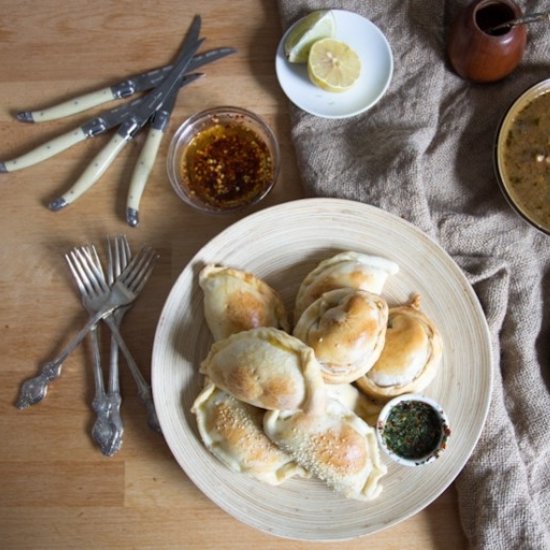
<point>318,24</point>
<point>333,65</point>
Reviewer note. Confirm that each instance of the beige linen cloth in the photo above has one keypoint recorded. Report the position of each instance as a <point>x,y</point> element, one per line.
<point>424,152</point>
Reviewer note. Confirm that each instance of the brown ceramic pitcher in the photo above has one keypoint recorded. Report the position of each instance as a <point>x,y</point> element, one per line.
<point>479,54</point>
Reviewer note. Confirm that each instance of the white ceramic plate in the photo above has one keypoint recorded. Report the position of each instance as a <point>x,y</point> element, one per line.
<point>282,244</point>
<point>374,50</point>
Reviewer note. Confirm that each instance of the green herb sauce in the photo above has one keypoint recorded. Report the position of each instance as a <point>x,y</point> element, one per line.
<point>412,430</point>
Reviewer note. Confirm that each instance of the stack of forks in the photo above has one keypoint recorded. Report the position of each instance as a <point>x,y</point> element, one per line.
<point>106,298</point>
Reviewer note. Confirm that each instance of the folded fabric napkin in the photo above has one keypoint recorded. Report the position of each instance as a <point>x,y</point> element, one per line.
<point>424,152</point>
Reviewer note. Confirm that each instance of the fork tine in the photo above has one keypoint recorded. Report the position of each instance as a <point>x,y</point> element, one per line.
<point>143,275</point>
<point>97,267</point>
<point>95,258</point>
<point>139,269</point>
<point>84,262</point>
<point>83,276</point>
<point>110,260</point>
<point>119,256</point>
<point>76,274</point>
<point>116,260</point>
<point>127,248</point>
<point>125,252</point>
<point>94,272</point>
<point>142,258</point>
<point>129,271</point>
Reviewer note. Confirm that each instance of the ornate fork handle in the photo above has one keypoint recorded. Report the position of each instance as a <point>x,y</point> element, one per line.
<point>113,394</point>
<point>104,430</point>
<point>113,397</point>
<point>144,389</point>
<point>114,402</point>
<point>33,390</point>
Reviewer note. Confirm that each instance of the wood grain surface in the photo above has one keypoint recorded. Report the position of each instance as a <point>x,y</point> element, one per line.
<point>56,489</point>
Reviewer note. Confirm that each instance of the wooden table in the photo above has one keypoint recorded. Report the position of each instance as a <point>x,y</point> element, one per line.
<point>56,489</point>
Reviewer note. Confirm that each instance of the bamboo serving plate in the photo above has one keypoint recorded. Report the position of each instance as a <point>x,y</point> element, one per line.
<point>282,244</point>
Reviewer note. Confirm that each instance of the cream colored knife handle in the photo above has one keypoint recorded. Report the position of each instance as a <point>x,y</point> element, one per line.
<point>141,173</point>
<point>93,172</point>
<point>44,151</point>
<point>70,107</point>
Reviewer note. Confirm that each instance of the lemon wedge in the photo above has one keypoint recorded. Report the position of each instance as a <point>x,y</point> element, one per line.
<point>318,24</point>
<point>332,65</point>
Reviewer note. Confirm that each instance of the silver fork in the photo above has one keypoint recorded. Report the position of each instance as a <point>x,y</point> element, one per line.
<point>123,292</point>
<point>103,430</point>
<point>119,254</point>
<point>96,277</point>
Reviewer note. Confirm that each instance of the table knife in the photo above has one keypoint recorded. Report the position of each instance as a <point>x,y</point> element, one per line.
<point>128,87</point>
<point>137,118</point>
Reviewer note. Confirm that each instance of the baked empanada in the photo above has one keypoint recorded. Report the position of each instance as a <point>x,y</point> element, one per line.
<point>335,445</point>
<point>267,368</point>
<point>233,432</point>
<point>344,270</point>
<point>355,400</point>
<point>346,329</point>
<point>236,300</point>
<point>411,355</point>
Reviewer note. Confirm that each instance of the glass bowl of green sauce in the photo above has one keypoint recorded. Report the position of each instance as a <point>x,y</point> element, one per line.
<point>413,429</point>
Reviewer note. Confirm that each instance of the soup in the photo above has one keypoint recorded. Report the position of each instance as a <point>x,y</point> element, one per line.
<point>525,161</point>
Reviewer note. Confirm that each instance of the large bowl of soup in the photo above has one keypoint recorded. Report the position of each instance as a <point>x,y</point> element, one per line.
<point>522,156</point>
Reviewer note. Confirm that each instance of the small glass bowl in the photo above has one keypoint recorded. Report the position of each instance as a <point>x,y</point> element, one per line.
<point>223,160</point>
<point>443,429</point>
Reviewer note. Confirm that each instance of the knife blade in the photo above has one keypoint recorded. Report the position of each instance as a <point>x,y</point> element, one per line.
<point>139,115</point>
<point>126,88</point>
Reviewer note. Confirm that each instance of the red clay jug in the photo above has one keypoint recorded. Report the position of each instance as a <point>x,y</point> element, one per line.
<point>481,55</point>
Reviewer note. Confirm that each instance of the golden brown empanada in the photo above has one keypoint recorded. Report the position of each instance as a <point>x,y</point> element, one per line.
<point>335,445</point>
<point>233,432</point>
<point>411,355</point>
<point>344,270</point>
<point>346,329</point>
<point>364,407</point>
<point>267,368</point>
<point>236,300</point>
